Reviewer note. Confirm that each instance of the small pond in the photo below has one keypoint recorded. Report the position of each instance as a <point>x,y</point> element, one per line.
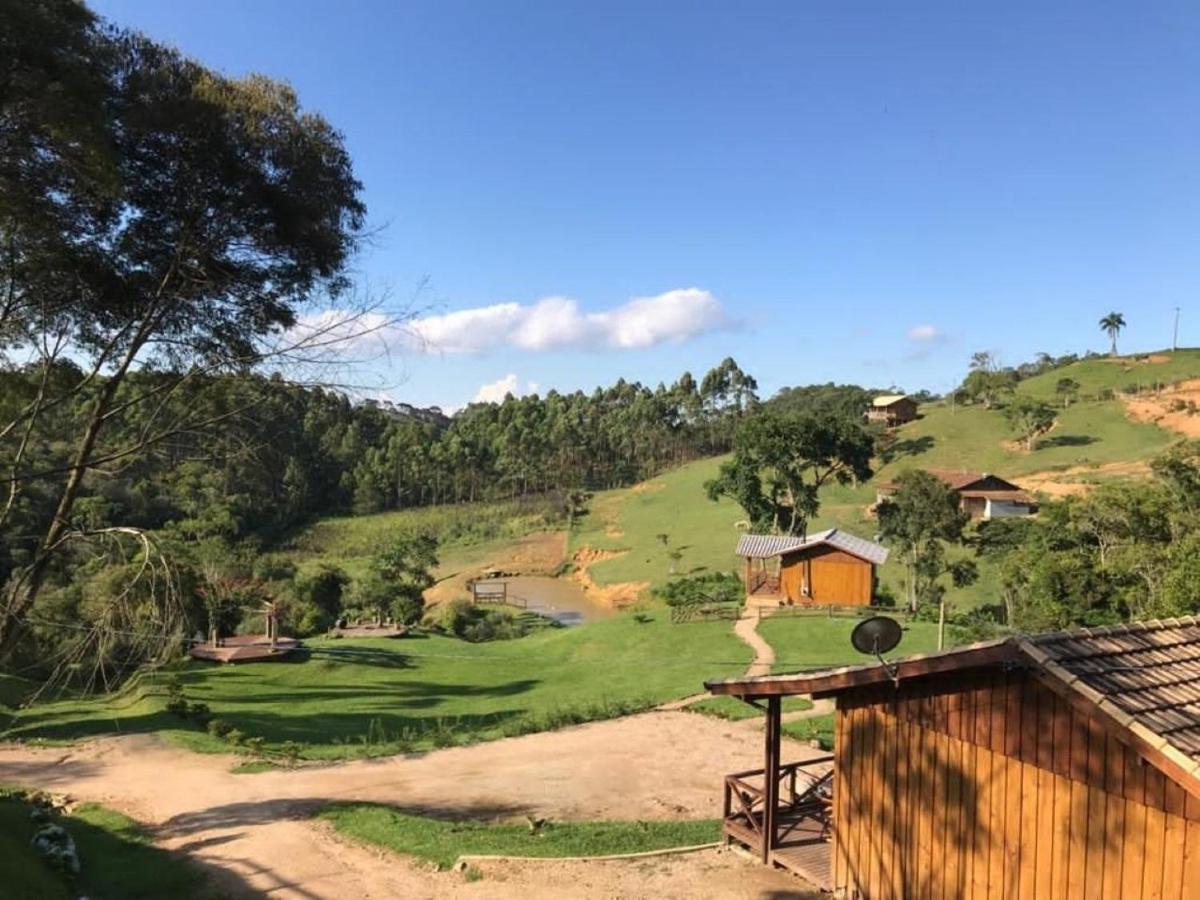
<point>557,598</point>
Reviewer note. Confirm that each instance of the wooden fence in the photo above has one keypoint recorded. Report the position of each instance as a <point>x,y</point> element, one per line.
<point>831,612</point>
<point>704,612</point>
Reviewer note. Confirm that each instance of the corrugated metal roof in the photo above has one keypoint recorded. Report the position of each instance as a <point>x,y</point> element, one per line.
<point>760,546</point>
<point>888,399</point>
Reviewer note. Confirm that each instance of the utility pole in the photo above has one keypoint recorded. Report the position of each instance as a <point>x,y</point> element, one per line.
<point>1175,336</point>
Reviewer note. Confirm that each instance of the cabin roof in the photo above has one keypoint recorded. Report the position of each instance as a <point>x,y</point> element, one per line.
<point>888,399</point>
<point>1143,677</point>
<point>959,479</point>
<point>762,546</point>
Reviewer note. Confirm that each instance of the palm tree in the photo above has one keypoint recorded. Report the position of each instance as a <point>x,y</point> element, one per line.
<point>1112,325</point>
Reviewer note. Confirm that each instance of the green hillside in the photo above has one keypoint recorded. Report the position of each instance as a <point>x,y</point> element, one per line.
<point>1089,434</point>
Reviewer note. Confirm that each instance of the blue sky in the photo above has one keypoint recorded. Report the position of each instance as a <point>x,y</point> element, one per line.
<point>862,192</point>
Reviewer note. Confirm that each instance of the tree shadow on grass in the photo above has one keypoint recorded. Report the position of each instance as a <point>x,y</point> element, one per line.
<point>1066,440</point>
<point>262,812</point>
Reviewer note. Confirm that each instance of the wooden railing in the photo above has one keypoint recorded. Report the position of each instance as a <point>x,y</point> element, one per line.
<point>802,793</point>
<point>763,582</point>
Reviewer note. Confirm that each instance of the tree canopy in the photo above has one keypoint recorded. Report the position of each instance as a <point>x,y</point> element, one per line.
<point>780,462</point>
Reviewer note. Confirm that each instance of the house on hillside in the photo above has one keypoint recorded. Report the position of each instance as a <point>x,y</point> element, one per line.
<point>829,568</point>
<point>1055,765</point>
<point>892,410</point>
<point>982,496</point>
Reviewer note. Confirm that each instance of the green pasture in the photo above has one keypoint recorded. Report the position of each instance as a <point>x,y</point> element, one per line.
<point>442,842</point>
<point>352,698</point>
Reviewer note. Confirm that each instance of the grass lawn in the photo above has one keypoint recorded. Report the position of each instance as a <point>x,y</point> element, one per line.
<point>735,710</point>
<point>350,541</point>
<point>808,642</point>
<point>115,854</point>
<point>442,842</point>
<point>818,728</point>
<point>375,697</point>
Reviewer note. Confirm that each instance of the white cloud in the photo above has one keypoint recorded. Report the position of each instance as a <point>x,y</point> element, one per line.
<point>555,323</point>
<point>924,334</point>
<point>496,391</point>
<point>925,340</point>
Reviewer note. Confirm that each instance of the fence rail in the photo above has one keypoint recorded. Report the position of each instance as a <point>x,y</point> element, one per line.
<point>830,611</point>
<point>704,612</point>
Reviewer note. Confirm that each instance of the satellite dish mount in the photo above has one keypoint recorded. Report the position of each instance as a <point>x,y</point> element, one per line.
<point>876,636</point>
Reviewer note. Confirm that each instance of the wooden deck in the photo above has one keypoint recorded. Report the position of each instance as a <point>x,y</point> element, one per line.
<point>244,648</point>
<point>800,827</point>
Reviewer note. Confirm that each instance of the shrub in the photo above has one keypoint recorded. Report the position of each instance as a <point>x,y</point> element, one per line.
<point>219,728</point>
<point>711,587</point>
<point>177,706</point>
<point>235,737</point>
<point>199,712</point>
<point>255,745</point>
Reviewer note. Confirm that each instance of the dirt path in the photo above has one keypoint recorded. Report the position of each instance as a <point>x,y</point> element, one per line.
<point>1065,482</point>
<point>746,628</point>
<point>257,828</point>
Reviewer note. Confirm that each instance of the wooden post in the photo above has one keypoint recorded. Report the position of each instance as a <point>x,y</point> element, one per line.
<point>748,575</point>
<point>771,776</point>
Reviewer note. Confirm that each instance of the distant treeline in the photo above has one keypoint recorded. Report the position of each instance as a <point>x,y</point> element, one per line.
<point>272,455</point>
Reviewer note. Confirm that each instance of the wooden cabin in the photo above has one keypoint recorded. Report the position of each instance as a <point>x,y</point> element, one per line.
<point>1060,765</point>
<point>829,568</point>
<point>892,410</point>
<point>981,495</point>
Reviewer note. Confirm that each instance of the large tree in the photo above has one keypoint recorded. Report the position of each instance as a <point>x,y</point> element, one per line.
<point>920,519</point>
<point>782,460</point>
<point>154,214</point>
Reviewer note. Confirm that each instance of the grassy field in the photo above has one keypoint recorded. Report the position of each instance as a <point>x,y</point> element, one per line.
<point>464,531</point>
<point>375,697</point>
<point>442,842</point>
<point>1090,433</point>
<point>816,642</point>
<point>116,858</point>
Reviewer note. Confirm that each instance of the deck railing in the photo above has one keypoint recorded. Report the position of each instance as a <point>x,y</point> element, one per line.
<point>804,789</point>
<point>763,582</point>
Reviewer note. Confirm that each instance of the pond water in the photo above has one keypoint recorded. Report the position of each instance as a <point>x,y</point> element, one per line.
<point>558,598</point>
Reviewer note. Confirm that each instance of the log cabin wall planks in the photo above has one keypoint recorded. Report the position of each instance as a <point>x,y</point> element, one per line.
<point>988,784</point>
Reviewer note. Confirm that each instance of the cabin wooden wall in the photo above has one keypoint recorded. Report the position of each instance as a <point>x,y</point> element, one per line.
<point>990,785</point>
<point>833,576</point>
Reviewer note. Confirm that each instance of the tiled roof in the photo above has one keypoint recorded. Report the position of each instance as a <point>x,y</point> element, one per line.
<point>1148,670</point>
<point>761,546</point>
<point>1144,677</point>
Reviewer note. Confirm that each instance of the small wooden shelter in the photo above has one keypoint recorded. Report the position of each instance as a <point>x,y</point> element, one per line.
<point>981,495</point>
<point>828,568</point>
<point>1056,765</point>
<point>892,410</point>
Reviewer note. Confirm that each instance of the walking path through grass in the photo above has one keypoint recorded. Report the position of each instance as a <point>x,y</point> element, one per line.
<point>261,828</point>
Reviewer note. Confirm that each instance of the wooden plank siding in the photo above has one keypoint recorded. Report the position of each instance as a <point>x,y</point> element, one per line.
<point>990,785</point>
<point>824,576</point>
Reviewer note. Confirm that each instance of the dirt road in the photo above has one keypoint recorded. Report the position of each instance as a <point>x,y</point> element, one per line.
<point>255,830</point>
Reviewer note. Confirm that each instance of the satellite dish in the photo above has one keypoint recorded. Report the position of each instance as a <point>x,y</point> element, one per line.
<point>876,635</point>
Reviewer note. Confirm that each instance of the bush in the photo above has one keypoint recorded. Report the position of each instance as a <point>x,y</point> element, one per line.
<point>177,706</point>
<point>199,712</point>
<point>478,624</point>
<point>711,587</point>
<point>235,737</point>
<point>219,728</point>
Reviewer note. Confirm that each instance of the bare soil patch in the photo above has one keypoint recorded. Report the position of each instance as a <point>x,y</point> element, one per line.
<point>649,766</point>
<point>619,594</point>
<point>1176,407</point>
<point>1065,483</point>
